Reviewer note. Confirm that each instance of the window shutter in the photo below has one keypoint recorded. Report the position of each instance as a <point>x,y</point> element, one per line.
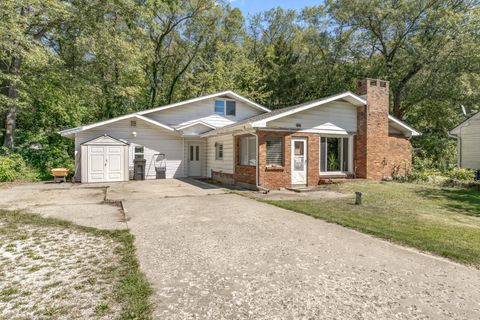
<point>274,151</point>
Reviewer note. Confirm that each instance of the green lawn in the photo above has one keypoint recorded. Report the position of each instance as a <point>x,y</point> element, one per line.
<point>54,269</point>
<point>443,221</point>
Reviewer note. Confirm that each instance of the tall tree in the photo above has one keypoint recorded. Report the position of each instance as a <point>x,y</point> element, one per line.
<point>24,37</point>
<point>403,38</point>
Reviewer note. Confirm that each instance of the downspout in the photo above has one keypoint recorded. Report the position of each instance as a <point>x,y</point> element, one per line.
<point>185,158</point>
<point>256,160</point>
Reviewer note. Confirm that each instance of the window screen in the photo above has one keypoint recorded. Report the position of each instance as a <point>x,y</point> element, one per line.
<point>248,151</point>
<point>274,151</point>
<point>220,107</point>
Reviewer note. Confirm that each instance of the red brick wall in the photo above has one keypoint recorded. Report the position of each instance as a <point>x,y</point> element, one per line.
<point>274,178</point>
<point>371,144</point>
<point>222,177</point>
<point>376,153</point>
<point>399,157</point>
<point>244,174</point>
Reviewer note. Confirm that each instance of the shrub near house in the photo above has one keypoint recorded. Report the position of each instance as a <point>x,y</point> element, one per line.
<point>13,167</point>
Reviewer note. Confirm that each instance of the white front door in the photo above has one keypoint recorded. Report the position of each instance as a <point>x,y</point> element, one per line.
<point>105,163</point>
<point>194,162</point>
<point>299,161</point>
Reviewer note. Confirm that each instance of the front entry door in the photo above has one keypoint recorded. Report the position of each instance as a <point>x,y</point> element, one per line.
<point>194,162</point>
<point>299,161</point>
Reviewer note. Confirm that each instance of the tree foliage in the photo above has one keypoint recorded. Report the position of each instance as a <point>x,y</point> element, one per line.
<point>67,63</point>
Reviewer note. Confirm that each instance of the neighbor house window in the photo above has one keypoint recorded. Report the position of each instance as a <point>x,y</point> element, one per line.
<point>139,152</point>
<point>218,151</point>
<point>220,107</point>
<point>334,154</point>
<point>231,108</point>
<point>248,151</point>
<point>274,151</point>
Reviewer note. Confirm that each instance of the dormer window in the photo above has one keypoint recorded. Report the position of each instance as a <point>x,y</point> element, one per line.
<point>225,107</point>
<point>220,107</point>
<point>231,108</point>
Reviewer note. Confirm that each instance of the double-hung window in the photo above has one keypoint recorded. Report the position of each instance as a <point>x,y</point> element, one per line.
<point>218,151</point>
<point>248,151</point>
<point>139,152</point>
<point>225,107</point>
<point>335,154</point>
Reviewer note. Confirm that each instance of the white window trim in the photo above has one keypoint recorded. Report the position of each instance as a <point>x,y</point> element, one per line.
<point>139,153</point>
<point>350,153</point>
<point>217,146</point>
<point>225,107</point>
<point>249,140</point>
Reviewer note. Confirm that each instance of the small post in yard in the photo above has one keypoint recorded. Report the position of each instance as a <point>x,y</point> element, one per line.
<point>358,198</point>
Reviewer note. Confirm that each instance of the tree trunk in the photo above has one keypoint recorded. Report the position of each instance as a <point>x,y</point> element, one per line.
<point>12,108</point>
<point>398,91</point>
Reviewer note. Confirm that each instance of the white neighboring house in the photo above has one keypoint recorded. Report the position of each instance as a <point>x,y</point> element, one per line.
<point>235,140</point>
<point>468,142</point>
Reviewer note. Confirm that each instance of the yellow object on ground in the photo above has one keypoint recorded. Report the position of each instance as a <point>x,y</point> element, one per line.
<point>59,174</point>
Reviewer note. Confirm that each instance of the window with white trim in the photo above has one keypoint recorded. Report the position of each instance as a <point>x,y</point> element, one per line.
<point>248,151</point>
<point>220,107</point>
<point>335,154</point>
<point>274,157</point>
<point>139,152</point>
<point>231,108</point>
<point>218,151</point>
<point>225,107</point>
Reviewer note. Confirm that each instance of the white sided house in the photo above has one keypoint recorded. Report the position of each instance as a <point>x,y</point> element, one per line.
<point>235,140</point>
<point>468,142</point>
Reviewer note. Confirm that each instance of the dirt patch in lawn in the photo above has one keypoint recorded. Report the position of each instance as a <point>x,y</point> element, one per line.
<point>53,269</point>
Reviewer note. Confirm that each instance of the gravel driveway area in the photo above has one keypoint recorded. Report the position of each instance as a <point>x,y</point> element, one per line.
<point>224,256</point>
<point>210,254</point>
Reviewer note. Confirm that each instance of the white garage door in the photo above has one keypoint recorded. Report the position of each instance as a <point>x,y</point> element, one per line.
<point>104,159</point>
<point>105,163</point>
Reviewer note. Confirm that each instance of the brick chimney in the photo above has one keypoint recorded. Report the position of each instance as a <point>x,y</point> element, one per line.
<point>371,142</point>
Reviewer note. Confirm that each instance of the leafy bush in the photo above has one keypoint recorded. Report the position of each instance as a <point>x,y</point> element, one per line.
<point>14,168</point>
<point>461,174</point>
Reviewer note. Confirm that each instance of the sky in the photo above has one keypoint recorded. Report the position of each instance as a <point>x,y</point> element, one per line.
<point>250,7</point>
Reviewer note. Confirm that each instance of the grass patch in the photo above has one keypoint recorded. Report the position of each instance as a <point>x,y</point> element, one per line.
<point>442,221</point>
<point>131,289</point>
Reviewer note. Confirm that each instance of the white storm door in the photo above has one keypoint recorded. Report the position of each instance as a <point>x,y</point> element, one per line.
<point>299,161</point>
<point>114,163</point>
<point>194,162</point>
<point>96,164</point>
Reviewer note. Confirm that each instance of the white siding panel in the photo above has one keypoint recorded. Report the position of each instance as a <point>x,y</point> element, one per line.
<point>227,164</point>
<point>199,110</point>
<point>196,130</point>
<point>470,138</point>
<point>154,139</point>
<point>340,114</point>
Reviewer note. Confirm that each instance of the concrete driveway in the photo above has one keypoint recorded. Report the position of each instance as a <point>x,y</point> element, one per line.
<point>224,256</point>
<point>214,255</point>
